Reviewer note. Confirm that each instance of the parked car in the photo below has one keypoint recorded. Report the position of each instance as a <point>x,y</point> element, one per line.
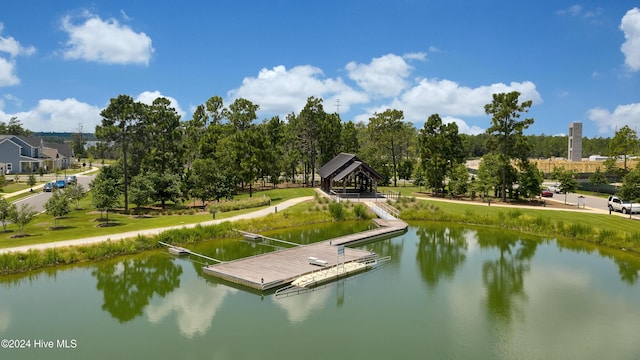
<point>71,179</point>
<point>546,192</point>
<point>626,207</point>
<point>48,187</point>
<point>555,188</point>
<point>61,184</point>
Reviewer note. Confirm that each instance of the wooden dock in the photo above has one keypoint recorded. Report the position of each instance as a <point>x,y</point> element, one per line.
<point>279,268</point>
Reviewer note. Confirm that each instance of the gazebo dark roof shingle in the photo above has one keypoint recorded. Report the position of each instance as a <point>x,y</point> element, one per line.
<point>340,167</point>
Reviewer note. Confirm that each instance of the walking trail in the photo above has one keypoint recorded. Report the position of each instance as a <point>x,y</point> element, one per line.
<point>152,232</point>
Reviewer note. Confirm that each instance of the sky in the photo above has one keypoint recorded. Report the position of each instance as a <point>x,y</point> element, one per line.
<point>62,61</point>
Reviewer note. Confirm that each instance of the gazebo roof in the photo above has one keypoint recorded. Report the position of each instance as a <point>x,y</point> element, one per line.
<point>344,164</point>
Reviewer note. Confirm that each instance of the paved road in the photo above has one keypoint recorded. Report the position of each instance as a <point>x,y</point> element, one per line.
<point>39,197</point>
<point>595,203</point>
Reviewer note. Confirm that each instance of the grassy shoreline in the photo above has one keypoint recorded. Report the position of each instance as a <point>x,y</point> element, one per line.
<point>600,229</point>
<point>611,232</point>
<point>306,213</point>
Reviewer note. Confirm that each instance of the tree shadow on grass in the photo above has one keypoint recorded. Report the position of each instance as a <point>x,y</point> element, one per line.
<point>59,227</point>
<point>18,236</point>
<point>108,224</point>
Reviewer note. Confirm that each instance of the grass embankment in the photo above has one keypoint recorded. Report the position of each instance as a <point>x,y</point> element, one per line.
<point>83,223</point>
<point>601,229</point>
<point>311,212</point>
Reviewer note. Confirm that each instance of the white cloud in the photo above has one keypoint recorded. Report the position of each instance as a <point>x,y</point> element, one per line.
<point>106,41</point>
<point>281,91</point>
<point>8,73</point>
<point>448,98</point>
<point>11,46</point>
<point>58,116</point>
<point>15,100</point>
<point>148,97</point>
<point>630,25</point>
<point>415,56</point>
<point>580,11</point>
<point>574,10</point>
<point>463,127</point>
<point>384,76</point>
<point>622,115</point>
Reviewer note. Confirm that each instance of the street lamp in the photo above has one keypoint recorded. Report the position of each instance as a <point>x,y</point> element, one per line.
<point>55,168</point>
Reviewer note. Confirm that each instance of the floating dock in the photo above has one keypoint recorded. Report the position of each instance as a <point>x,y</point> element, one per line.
<point>280,268</point>
<point>332,273</point>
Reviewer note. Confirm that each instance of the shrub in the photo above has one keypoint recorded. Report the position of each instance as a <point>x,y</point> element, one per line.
<point>336,211</point>
<point>240,204</point>
<point>360,211</point>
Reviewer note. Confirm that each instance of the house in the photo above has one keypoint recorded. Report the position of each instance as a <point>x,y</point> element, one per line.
<point>348,169</point>
<point>20,154</point>
<point>24,154</point>
<point>58,156</point>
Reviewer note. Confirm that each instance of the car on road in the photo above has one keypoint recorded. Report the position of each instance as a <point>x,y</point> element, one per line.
<point>625,207</point>
<point>61,184</point>
<point>555,188</point>
<point>546,192</point>
<point>48,187</point>
<point>71,179</point>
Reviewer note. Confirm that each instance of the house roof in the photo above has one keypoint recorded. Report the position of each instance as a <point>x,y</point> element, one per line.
<point>32,140</point>
<point>63,149</point>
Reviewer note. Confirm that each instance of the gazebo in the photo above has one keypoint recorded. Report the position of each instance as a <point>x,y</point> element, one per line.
<point>347,169</point>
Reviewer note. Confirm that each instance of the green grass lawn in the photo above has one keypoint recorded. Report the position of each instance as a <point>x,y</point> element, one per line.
<point>597,221</point>
<point>17,186</point>
<point>82,223</point>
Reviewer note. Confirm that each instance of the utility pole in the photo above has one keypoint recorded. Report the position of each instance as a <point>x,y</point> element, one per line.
<point>338,106</point>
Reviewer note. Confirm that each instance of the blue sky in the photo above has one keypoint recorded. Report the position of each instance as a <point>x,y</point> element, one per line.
<point>61,61</point>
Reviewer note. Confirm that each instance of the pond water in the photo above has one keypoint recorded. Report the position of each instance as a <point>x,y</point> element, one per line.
<point>448,292</point>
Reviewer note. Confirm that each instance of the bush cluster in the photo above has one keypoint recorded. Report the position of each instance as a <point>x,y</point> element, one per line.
<point>249,203</point>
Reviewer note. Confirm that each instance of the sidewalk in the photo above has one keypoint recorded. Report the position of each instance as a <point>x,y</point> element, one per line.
<point>132,234</point>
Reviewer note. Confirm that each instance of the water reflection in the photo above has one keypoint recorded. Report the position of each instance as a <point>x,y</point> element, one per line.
<point>504,277</point>
<point>128,285</point>
<point>195,304</point>
<point>299,307</point>
<point>5,318</point>
<point>440,251</point>
<point>628,270</point>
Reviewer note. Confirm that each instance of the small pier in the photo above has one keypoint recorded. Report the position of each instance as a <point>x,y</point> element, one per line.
<point>178,251</point>
<point>280,268</point>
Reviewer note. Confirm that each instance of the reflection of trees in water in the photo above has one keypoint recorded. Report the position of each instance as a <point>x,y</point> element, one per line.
<point>387,247</point>
<point>628,270</point>
<point>628,264</point>
<point>440,251</point>
<point>504,277</point>
<point>128,285</point>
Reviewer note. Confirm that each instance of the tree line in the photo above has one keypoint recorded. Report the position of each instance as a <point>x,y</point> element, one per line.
<point>224,148</point>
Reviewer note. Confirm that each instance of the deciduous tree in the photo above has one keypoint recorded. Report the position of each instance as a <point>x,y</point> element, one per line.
<point>6,209</point>
<point>57,205</point>
<point>23,215</point>
<point>625,143</point>
<point>440,151</point>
